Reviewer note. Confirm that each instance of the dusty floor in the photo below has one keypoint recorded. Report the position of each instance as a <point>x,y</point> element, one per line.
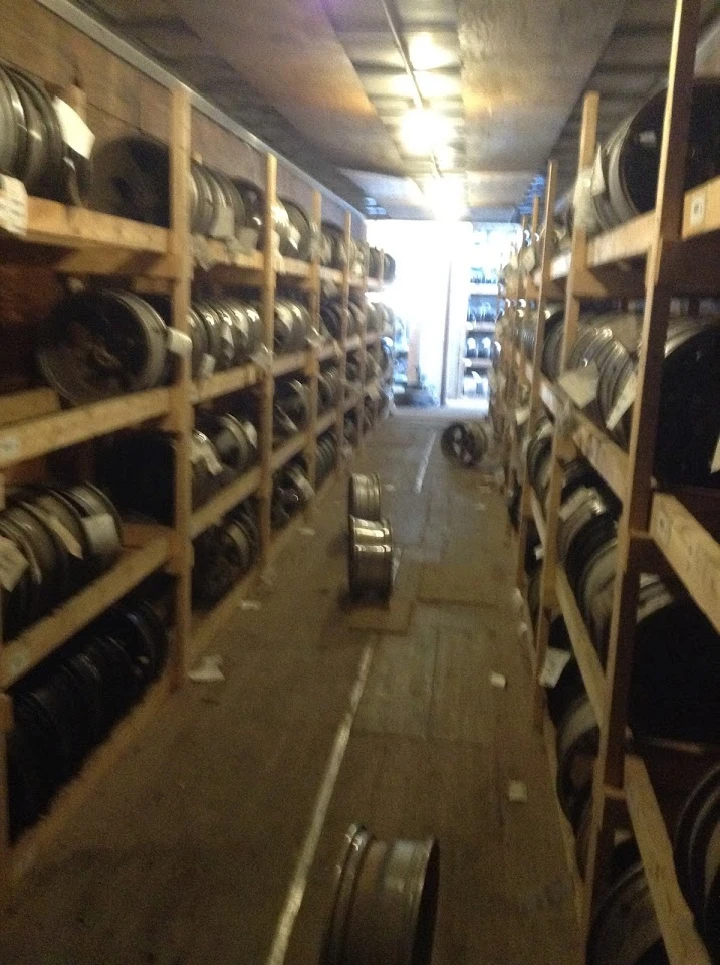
<point>185,854</point>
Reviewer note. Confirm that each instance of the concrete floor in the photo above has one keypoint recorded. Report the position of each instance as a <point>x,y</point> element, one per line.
<point>185,854</point>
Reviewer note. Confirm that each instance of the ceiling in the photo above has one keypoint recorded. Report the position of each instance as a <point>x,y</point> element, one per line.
<point>330,83</point>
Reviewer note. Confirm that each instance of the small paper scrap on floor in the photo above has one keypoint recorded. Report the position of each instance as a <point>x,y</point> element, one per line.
<point>250,604</point>
<point>517,792</point>
<point>498,680</point>
<point>522,629</point>
<point>389,488</point>
<point>480,507</point>
<point>307,531</point>
<point>208,670</point>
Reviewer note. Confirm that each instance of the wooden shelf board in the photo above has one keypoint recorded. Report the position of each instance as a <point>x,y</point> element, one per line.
<point>37,839</point>
<point>206,626</point>
<point>627,241</point>
<point>592,672</point>
<point>285,452</point>
<point>325,421</point>
<point>282,364</point>
<point>146,550</point>
<point>223,383</point>
<point>538,516</point>
<point>64,226</point>
<point>224,501</point>
<point>219,254</point>
<point>38,436</point>
<point>331,274</point>
<point>691,551</point>
<point>352,343</point>
<point>30,404</point>
<point>292,267</point>
<point>682,942</point>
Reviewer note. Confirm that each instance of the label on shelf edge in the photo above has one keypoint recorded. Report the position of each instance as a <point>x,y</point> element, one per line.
<point>12,564</point>
<point>13,206</point>
<point>581,384</point>
<point>553,665</point>
<point>625,400</point>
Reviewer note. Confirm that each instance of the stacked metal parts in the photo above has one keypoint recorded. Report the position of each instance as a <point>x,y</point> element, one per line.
<point>223,554</point>
<point>674,689</point>
<point>371,568</point>
<point>385,902</point>
<point>689,417</point>
<point>72,700</point>
<point>622,183</point>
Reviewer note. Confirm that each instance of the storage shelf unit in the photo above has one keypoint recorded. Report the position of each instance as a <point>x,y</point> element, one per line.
<point>675,530</point>
<point>34,424</point>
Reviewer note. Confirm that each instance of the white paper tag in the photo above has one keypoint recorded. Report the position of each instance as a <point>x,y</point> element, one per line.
<point>597,177</point>
<point>715,461</point>
<point>75,132</point>
<point>207,366</point>
<point>539,552</point>
<point>179,343</point>
<point>294,236</point>
<point>555,662</point>
<point>13,206</point>
<point>247,239</point>
<point>576,500</point>
<point>9,449</point>
<point>224,226</point>
<point>581,384</point>
<point>626,399</point>
<point>12,564</point>
<point>498,680</point>
<point>522,415</point>
<point>100,529</point>
<point>697,208</point>
<point>517,792</point>
<point>251,433</point>
<point>71,544</point>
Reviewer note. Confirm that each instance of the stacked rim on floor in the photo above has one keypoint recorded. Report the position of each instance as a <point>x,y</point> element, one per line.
<point>465,442</point>
<point>371,569</point>
<point>384,903</point>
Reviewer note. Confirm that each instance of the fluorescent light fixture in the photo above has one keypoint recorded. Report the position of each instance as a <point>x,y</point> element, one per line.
<point>423,131</point>
<point>426,54</point>
<point>447,197</point>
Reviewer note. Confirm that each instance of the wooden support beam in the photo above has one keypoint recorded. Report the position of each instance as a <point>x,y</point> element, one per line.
<point>269,281</point>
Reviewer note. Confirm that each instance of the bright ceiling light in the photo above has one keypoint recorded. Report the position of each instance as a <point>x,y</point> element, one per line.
<point>445,157</point>
<point>423,131</point>
<point>425,54</point>
<point>446,197</point>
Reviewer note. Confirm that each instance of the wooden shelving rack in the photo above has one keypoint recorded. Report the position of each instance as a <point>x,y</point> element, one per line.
<point>33,424</point>
<point>670,251</point>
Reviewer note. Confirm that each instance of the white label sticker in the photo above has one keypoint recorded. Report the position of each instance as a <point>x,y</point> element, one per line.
<point>498,680</point>
<point>9,449</point>
<point>224,226</point>
<point>207,367</point>
<point>13,206</point>
<point>581,384</point>
<point>715,461</point>
<point>71,544</point>
<point>100,529</point>
<point>251,433</point>
<point>626,399</point>
<point>247,239</point>
<point>572,504</point>
<point>522,415</point>
<point>75,132</point>
<point>539,552</point>
<point>12,564</point>
<point>179,343</point>
<point>697,208</point>
<point>555,662</point>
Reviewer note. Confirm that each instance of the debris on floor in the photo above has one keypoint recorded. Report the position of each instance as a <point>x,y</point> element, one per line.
<point>208,670</point>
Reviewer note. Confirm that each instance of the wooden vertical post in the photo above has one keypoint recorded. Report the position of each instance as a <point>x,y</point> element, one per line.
<point>313,366</point>
<point>342,362</point>
<point>636,509</point>
<point>182,415</point>
<point>6,723</point>
<point>536,374</point>
<point>267,389</point>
